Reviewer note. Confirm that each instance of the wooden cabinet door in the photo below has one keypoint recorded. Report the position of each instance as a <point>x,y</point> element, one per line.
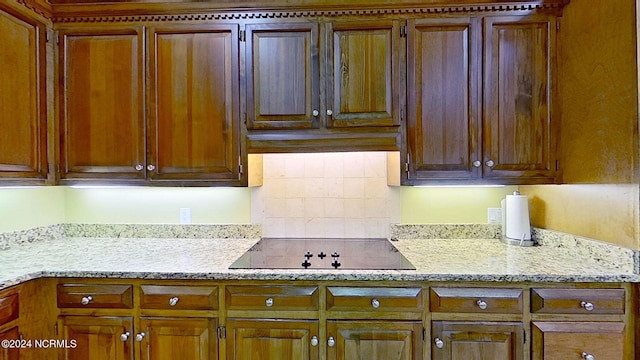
<point>282,74</point>
<point>97,337</point>
<point>101,103</point>
<point>264,339</point>
<point>194,131</point>
<point>519,120</point>
<point>10,353</point>
<point>576,340</point>
<point>174,338</point>
<point>443,99</point>
<point>23,145</point>
<point>477,340</point>
<point>363,86</point>
<point>367,340</point>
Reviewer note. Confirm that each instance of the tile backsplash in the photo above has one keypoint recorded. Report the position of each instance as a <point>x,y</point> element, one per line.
<point>325,195</point>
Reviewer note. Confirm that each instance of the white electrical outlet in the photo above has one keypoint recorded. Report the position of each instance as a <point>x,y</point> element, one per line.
<point>494,216</point>
<point>185,215</point>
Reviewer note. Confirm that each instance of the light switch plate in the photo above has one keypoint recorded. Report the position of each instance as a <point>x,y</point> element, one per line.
<point>185,215</point>
<point>494,216</point>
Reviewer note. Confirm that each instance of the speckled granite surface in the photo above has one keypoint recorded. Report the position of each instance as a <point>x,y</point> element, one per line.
<point>480,259</point>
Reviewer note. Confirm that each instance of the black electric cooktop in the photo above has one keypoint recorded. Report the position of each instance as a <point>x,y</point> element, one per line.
<point>323,253</point>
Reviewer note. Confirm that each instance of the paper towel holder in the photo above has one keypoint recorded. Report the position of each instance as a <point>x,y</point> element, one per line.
<point>515,221</point>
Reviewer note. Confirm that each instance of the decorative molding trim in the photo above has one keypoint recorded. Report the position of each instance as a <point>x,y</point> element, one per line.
<point>216,14</point>
<point>39,7</point>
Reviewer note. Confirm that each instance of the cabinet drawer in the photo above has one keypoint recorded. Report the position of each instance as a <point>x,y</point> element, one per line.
<point>9,308</point>
<point>374,298</point>
<point>578,301</point>
<point>476,300</point>
<point>272,297</point>
<point>95,296</point>
<point>179,297</point>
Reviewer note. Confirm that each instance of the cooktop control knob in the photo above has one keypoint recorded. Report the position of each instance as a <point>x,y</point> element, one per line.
<point>308,254</point>
<point>305,264</point>
<point>322,255</point>
<point>335,263</point>
<point>335,254</point>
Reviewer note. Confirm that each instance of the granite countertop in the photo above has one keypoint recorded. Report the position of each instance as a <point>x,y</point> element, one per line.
<point>483,259</point>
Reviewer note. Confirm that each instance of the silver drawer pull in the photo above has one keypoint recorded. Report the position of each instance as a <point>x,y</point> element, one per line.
<point>269,302</point>
<point>438,342</point>
<point>587,356</point>
<point>587,305</point>
<point>331,341</point>
<point>482,304</point>
<point>375,303</point>
<point>140,336</point>
<point>125,336</point>
<point>314,341</point>
<point>86,300</point>
<point>173,301</point>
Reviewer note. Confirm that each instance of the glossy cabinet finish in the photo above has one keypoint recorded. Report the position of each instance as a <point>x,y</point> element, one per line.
<point>9,313</point>
<point>101,103</point>
<point>368,299</point>
<point>257,339</point>
<point>282,76</point>
<point>370,339</point>
<point>578,340</point>
<point>23,107</point>
<point>443,83</point>
<point>179,297</point>
<point>272,298</point>
<point>477,340</point>
<point>194,131</point>
<point>178,338</point>
<point>578,301</point>
<point>97,337</point>
<point>77,295</point>
<point>520,123</point>
<point>476,300</point>
<point>364,74</point>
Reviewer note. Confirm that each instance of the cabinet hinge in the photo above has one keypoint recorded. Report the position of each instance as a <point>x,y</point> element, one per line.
<point>407,166</point>
<point>242,35</point>
<point>524,335</point>
<point>222,332</point>
<point>557,165</point>
<point>402,115</point>
<point>240,166</point>
<point>48,36</point>
<point>403,31</point>
<point>55,329</point>
<point>57,39</point>
<point>424,333</point>
<point>557,24</point>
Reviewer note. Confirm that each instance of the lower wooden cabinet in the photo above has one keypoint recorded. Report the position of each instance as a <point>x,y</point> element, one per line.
<point>368,340</point>
<point>9,313</point>
<point>269,339</point>
<point>10,353</point>
<point>175,338</point>
<point>470,340</point>
<point>96,337</point>
<point>578,340</point>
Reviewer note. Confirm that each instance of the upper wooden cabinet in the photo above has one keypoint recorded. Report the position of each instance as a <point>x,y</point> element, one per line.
<point>23,113</point>
<point>192,135</point>
<point>481,100</point>
<point>282,76</point>
<point>101,103</point>
<point>519,79</point>
<point>333,85</point>
<point>194,131</point>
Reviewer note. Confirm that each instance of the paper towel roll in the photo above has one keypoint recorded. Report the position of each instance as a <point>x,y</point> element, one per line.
<point>517,225</point>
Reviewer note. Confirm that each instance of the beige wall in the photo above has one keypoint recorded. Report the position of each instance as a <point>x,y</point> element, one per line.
<point>599,128</point>
<point>25,208</point>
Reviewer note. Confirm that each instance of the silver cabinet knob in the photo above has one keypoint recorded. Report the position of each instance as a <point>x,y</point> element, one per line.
<point>482,304</point>
<point>375,303</point>
<point>438,342</point>
<point>477,163</point>
<point>139,167</point>
<point>315,112</point>
<point>86,300</point>
<point>269,302</point>
<point>329,112</point>
<point>140,336</point>
<point>151,167</point>
<point>587,305</point>
<point>587,356</point>
<point>331,341</point>
<point>125,336</point>
<point>314,341</point>
<point>173,301</point>
<point>490,163</point>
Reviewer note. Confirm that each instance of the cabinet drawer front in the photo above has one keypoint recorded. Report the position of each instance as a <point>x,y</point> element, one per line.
<point>476,300</point>
<point>578,301</point>
<point>374,298</point>
<point>95,296</point>
<point>272,297</point>
<point>570,340</point>
<point>9,308</point>
<point>179,297</point>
